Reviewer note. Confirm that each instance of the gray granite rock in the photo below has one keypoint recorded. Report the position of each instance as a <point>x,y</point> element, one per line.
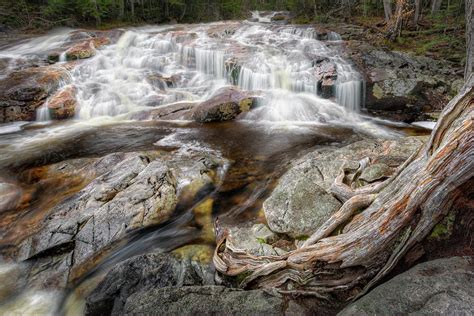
<point>438,287</point>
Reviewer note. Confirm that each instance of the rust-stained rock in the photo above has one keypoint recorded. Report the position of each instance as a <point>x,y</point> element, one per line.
<point>86,48</point>
<point>23,91</point>
<point>63,104</point>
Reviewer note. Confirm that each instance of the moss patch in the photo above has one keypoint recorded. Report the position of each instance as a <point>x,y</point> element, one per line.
<point>444,228</point>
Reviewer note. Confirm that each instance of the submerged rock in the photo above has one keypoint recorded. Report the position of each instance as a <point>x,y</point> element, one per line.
<point>10,195</point>
<point>443,286</point>
<point>226,104</point>
<point>173,111</point>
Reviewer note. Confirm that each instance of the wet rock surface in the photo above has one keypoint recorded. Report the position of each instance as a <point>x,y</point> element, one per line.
<point>134,190</point>
<point>174,111</point>
<point>23,91</point>
<point>86,49</point>
<point>443,286</point>
<point>62,105</point>
<point>226,104</point>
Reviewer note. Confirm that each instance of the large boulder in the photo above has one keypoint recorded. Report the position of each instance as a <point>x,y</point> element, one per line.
<point>438,287</point>
<point>301,201</point>
<point>226,104</point>
<point>156,283</point>
<point>298,205</point>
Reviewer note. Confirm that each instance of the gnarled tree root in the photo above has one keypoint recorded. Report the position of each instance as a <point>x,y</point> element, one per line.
<point>401,212</point>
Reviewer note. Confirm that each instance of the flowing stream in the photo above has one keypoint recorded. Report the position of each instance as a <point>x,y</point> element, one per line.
<point>149,67</point>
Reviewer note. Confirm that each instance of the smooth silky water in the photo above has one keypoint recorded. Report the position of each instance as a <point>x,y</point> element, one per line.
<point>196,60</point>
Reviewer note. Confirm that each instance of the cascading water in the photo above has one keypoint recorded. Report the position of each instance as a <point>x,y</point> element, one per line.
<point>154,66</point>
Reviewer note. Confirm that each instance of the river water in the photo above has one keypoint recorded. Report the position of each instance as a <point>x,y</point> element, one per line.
<point>149,67</point>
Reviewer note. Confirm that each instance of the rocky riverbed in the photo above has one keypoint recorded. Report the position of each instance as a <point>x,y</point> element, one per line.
<point>126,155</point>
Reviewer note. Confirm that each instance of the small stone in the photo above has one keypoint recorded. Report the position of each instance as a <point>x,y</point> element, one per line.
<point>375,172</point>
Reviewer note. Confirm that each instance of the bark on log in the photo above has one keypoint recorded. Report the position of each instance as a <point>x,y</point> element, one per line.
<point>407,208</point>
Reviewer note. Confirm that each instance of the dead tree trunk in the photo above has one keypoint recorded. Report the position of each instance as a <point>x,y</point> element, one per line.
<point>399,213</point>
<point>469,39</point>
<point>394,26</point>
<point>387,8</point>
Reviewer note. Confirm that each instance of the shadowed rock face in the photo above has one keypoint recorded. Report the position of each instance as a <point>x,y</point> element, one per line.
<point>205,300</point>
<point>443,286</point>
<point>160,283</point>
<point>142,274</point>
<point>400,86</point>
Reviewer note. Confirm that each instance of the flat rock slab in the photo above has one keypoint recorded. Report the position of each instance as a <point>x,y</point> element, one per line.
<point>204,300</point>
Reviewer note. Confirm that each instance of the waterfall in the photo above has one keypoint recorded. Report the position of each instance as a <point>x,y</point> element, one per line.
<point>210,62</point>
<point>333,36</point>
<point>62,57</point>
<point>156,65</point>
<point>350,88</point>
<point>42,113</point>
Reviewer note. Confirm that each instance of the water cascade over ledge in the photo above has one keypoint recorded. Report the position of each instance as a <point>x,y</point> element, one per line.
<point>155,66</point>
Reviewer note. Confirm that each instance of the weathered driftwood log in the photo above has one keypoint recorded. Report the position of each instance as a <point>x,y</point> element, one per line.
<point>402,212</point>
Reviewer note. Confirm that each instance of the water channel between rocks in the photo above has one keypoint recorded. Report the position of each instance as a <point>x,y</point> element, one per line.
<point>289,68</point>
